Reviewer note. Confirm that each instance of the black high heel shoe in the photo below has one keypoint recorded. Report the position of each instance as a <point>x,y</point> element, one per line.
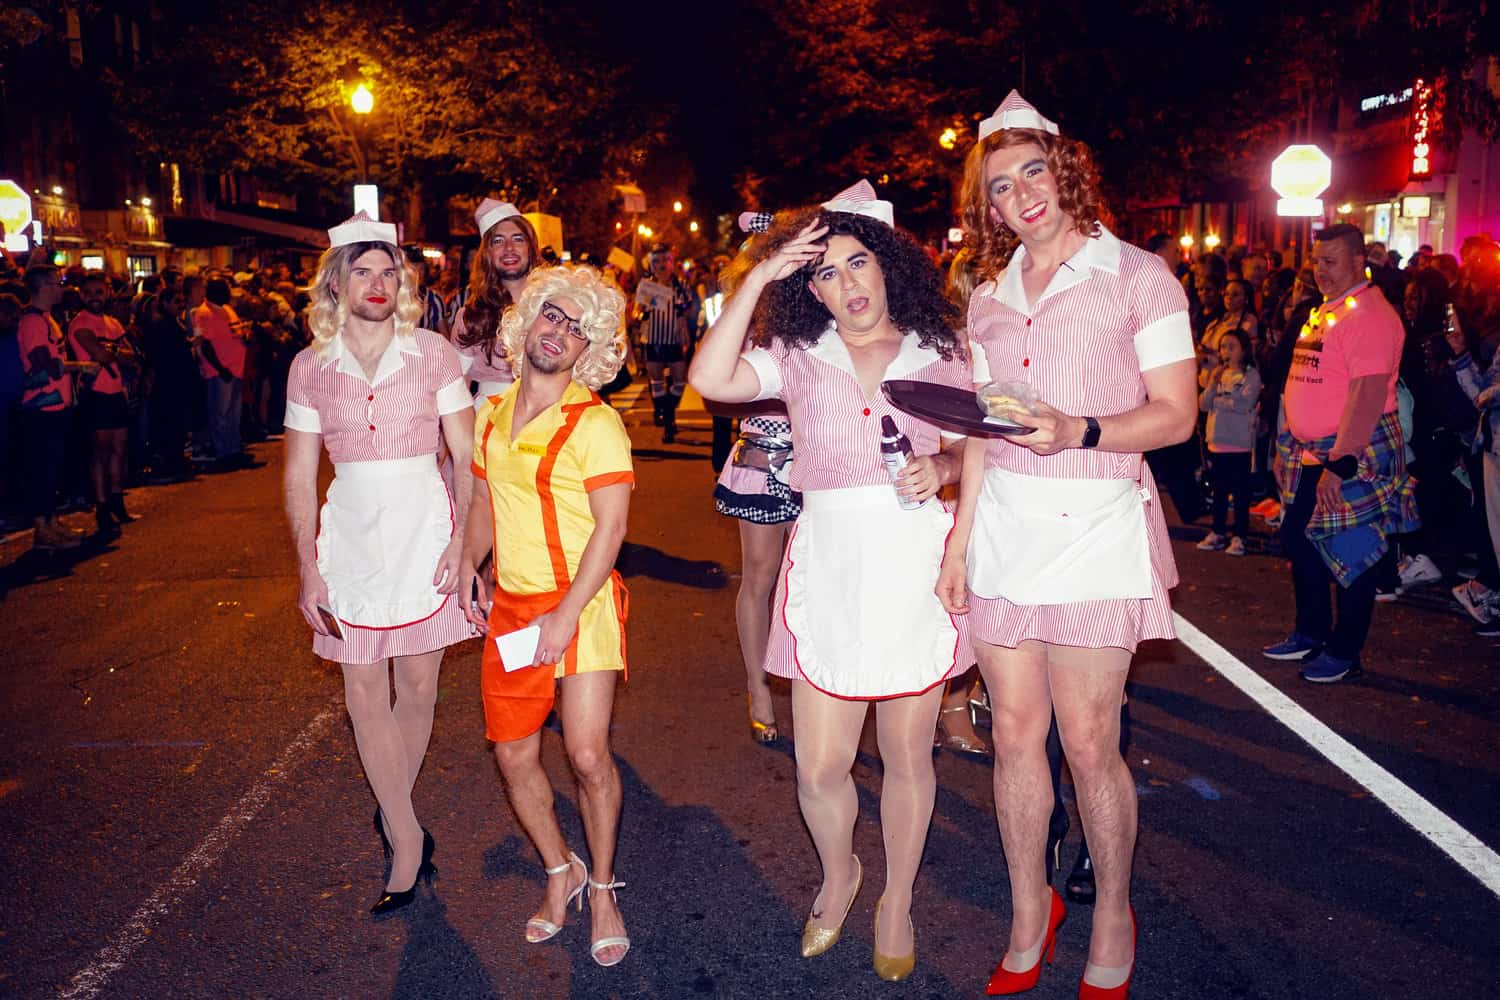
<point>385,842</point>
<point>1079,885</point>
<point>389,902</point>
<point>1057,831</point>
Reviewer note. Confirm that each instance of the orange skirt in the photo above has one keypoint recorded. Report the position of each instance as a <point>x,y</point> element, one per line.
<point>517,702</point>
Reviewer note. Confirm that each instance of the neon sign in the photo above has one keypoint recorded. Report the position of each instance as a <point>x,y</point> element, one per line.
<point>1423,118</point>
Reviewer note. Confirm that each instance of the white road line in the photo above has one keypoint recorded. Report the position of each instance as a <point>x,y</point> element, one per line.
<point>1424,817</point>
<point>137,930</point>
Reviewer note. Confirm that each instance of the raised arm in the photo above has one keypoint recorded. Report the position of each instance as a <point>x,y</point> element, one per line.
<point>718,372</point>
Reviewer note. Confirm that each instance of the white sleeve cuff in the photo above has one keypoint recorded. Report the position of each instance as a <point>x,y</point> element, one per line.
<point>765,368</point>
<point>454,397</point>
<point>949,436</point>
<point>979,363</point>
<point>1167,340</point>
<point>302,418</point>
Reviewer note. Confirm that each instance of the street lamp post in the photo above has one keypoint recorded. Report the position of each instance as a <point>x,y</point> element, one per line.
<point>362,102</point>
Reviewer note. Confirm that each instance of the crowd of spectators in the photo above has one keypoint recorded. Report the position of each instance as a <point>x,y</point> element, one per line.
<point>107,383</point>
<point>1250,307</point>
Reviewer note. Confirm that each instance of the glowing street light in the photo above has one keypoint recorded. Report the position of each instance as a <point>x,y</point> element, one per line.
<point>692,227</point>
<point>362,101</point>
<point>145,202</point>
<point>645,231</point>
<point>57,190</point>
<point>1186,241</point>
<point>949,138</point>
<point>676,206</point>
<point>1211,240</point>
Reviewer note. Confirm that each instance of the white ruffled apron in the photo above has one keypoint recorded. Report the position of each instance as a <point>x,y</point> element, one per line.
<point>858,594</point>
<point>1059,541</point>
<point>381,534</point>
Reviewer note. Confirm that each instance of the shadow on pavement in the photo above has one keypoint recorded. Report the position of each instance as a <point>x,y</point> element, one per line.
<point>437,961</point>
<point>645,560</point>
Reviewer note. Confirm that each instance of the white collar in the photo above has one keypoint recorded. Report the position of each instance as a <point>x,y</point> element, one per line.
<point>1099,253</point>
<point>831,349</point>
<point>390,361</point>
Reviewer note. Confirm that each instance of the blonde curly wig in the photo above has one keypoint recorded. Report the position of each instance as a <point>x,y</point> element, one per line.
<point>326,314</point>
<point>602,307</point>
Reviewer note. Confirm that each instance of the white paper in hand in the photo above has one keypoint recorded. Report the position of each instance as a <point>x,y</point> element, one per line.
<point>518,648</point>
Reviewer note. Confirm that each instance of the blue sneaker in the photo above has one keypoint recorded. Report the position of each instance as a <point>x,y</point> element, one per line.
<point>1325,668</point>
<point>1294,647</point>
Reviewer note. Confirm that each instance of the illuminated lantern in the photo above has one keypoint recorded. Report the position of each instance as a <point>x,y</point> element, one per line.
<point>15,214</point>
<point>1300,174</point>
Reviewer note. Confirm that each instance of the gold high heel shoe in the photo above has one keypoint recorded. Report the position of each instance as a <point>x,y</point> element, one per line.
<point>815,939</point>
<point>890,968</point>
<point>958,743</point>
<point>761,732</point>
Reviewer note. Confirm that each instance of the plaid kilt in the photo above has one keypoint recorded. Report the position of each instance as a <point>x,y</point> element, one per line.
<point>1378,502</point>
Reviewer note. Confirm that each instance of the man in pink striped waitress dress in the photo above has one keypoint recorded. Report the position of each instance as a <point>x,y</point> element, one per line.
<point>839,300</point>
<point>1059,556</point>
<point>380,577</point>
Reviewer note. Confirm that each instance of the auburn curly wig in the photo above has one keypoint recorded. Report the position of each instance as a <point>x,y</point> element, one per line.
<point>1078,195</point>
<point>788,311</point>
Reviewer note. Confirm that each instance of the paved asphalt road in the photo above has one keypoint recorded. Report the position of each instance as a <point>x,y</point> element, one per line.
<point>184,815</point>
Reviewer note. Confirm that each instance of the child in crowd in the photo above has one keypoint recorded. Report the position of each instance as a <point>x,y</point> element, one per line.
<point>1230,399</point>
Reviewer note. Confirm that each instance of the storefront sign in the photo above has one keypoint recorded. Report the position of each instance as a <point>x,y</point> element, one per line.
<point>1300,174</point>
<point>1416,206</point>
<point>1384,101</point>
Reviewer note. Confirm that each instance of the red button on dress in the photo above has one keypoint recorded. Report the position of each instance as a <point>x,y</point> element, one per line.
<point>867,411</point>
<point>1025,362</point>
<point>371,397</point>
<point>372,427</point>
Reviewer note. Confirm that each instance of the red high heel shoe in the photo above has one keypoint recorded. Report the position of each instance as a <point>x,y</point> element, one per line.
<point>1004,982</point>
<point>1088,991</point>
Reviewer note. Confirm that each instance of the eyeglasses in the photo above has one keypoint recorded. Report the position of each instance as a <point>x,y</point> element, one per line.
<point>557,317</point>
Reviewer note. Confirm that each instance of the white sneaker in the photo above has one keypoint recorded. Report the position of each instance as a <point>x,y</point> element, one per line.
<point>1476,599</point>
<point>1236,546</point>
<point>1417,570</point>
<point>1212,542</point>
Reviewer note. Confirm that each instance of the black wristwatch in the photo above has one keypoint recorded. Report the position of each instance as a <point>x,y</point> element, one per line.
<point>1090,433</point>
<point>1346,467</point>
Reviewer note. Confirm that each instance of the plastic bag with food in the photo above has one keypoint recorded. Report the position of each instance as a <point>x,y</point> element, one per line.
<point>998,399</point>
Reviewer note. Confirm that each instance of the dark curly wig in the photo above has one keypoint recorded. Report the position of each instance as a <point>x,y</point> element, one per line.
<point>1071,163</point>
<point>789,312</point>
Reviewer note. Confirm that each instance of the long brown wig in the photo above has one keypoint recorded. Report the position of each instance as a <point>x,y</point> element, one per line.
<point>488,298</point>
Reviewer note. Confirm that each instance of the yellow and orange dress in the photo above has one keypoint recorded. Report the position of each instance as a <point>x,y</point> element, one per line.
<point>539,485</point>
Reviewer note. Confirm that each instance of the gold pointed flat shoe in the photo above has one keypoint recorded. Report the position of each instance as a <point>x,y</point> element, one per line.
<point>887,967</point>
<point>762,732</point>
<point>815,939</point>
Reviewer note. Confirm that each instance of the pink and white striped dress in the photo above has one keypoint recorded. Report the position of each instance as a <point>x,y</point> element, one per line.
<point>1109,313</point>
<point>387,510</point>
<point>852,530</point>
<point>485,365</point>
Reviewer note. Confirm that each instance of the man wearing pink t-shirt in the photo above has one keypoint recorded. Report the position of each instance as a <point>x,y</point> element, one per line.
<point>221,364</point>
<point>47,393</point>
<point>1340,461</point>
